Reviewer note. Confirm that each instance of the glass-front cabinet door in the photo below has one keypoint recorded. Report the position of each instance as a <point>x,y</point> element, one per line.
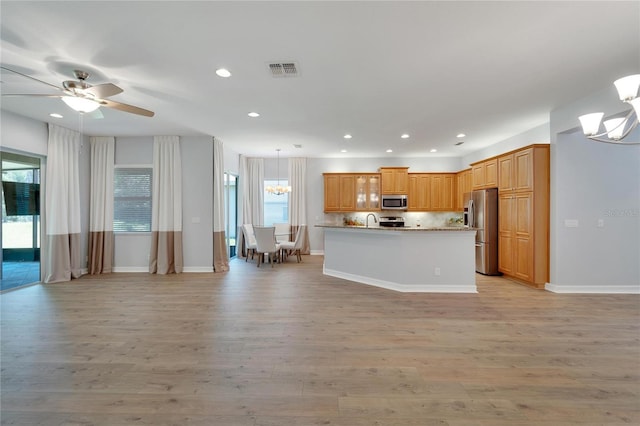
<point>368,192</point>
<point>374,192</point>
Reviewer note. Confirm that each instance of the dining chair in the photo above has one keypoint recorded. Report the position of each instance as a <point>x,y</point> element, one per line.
<point>283,232</point>
<point>295,245</point>
<point>266,243</point>
<point>249,240</point>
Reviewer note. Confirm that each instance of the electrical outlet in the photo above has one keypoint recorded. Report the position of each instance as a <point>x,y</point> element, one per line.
<point>600,223</point>
<point>436,272</point>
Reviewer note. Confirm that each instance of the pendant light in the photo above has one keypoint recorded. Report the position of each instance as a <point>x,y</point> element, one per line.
<point>278,189</point>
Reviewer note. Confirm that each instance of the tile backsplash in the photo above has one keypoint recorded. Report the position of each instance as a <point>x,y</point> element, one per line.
<point>423,219</point>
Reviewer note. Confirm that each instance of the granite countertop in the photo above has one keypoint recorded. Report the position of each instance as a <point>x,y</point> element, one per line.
<point>390,228</point>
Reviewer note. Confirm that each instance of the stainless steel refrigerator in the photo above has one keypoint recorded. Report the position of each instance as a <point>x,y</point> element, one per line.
<point>481,209</point>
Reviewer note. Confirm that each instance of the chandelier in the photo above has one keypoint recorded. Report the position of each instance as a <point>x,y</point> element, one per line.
<point>278,189</point>
<point>616,129</point>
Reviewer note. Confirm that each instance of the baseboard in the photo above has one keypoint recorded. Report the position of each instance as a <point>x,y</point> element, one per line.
<point>317,253</point>
<point>197,269</point>
<point>187,269</point>
<point>593,289</point>
<point>403,288</point>
<point>131,269</point>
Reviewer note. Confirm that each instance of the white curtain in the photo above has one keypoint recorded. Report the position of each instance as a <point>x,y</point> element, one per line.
<point>101,205</point>
<point>298,199</point>
<point>166,214</point>
<point>220,258</point>
<point>252,181</point>
<point>62,257</point>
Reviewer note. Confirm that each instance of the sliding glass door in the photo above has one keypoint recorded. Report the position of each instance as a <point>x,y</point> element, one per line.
<point>20,219</point>
<point>231,212</point>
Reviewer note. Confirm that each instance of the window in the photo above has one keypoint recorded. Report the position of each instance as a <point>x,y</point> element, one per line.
<point>276,207</point>
<point>132,199</point>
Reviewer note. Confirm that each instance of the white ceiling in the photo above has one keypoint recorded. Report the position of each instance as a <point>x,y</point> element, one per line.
<point>372,69</point>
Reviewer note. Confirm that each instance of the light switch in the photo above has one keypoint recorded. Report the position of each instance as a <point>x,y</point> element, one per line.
<point>571,223</point>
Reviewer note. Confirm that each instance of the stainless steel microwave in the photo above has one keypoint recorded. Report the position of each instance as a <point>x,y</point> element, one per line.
<point>394,202</point>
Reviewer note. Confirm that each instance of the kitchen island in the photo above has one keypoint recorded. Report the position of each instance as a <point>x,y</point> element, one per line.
<point>406,259</point>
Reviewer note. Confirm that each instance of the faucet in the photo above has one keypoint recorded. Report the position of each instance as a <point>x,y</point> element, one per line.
<point>374,219</point>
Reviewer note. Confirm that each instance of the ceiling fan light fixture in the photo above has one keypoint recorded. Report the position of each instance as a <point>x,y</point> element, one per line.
<point>80,104</point>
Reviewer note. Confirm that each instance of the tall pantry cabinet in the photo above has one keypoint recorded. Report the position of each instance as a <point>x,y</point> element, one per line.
<point>523,224</point>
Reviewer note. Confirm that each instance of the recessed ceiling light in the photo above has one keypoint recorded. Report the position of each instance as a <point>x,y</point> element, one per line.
<point>405,136</point>
<point>461,135</point>
<point>389,150</point>
<point>343,150</point>
<point>297,145</point>
<point>434,150</point>
<point>55,115</point>
<point>348,136</point>
<point>222,72</point>
<point>253,114</point>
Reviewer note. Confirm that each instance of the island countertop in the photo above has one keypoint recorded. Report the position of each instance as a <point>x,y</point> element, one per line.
<point>399,228</point>
<point>412,259</point>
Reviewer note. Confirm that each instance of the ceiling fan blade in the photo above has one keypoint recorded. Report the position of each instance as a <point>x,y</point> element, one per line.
<point>32,95</point>
<point>126,108</point>
<point>102,91</point>
<point>31,78</point>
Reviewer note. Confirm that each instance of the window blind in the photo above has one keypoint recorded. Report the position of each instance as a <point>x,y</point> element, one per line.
<point>132,199</point>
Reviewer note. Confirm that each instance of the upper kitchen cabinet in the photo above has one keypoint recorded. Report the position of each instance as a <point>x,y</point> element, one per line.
<point>394,180</point>
<point>464,186</point>
<point>442,192</point>
<point>485,174</point>
<point>519,170</point>
<point>339,192</point>
<point>431,192</point>
<point>419,192</point>
<point>368,192</point>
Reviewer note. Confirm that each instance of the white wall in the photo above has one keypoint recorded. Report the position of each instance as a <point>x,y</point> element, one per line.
<point>23,134</point>
<point>132,249</point>
<point>197,203</point>
<point>539,134</point>
<point>592,181</point>
<point>131,253</point>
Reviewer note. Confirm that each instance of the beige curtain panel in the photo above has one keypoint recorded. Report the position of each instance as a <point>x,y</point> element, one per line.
<point>298,200</point>
<point>166,215</point>
<point>101,238</point>
<point>220,257</point>
<point>252,183</point>
<point>62,258</point>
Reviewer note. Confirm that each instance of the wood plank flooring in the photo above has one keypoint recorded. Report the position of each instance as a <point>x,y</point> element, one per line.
<point>288,346</point>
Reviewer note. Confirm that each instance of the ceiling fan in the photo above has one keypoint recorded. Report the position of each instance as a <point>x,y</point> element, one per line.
<point>84,97</point>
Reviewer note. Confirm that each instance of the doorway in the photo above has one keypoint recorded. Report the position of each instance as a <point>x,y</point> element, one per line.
<point>20,220</point>
<point>231,212</point>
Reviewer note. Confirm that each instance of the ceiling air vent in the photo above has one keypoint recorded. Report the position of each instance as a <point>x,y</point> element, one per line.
<point>283,69</point>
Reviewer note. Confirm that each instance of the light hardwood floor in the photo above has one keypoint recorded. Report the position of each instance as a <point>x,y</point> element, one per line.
<point>288,346</point>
